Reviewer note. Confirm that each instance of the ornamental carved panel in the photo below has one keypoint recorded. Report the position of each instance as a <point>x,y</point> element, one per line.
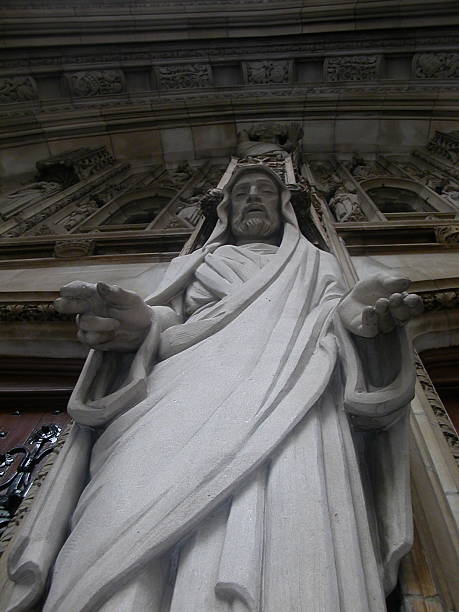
<point>436,65</point>
<point>89,83</point>
<point>184,76</point>
<point>267,72</point>
<point>17,89</point>
<point>352,68</point>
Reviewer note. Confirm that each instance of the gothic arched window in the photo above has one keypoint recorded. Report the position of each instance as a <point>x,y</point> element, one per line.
<point>398,200</point>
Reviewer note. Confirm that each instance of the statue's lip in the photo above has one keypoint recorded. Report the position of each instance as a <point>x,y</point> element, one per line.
<point>255,209</point>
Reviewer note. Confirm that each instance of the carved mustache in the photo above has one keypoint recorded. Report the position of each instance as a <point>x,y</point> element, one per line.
<point>256,207</point>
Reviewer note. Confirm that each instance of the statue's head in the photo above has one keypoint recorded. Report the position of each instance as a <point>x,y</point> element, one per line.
<point>254,209</point>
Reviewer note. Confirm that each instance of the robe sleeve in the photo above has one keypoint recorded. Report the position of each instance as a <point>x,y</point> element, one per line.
<point>379,416</point>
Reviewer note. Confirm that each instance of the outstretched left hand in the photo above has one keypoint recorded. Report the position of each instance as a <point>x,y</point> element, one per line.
<point>379,304</point>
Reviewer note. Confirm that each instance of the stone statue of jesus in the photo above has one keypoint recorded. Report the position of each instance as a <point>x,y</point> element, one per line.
<point>240,440</point>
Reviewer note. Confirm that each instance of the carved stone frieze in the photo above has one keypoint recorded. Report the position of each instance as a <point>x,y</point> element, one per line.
<point>269,138</point>
<point>184,76</point>
<point>445,146</point>
<point>441,415</point>
<point>437,163</point>
<point>362,169</point>
<point>17,200</point>
<point>352,68</point>
<point>436,65</point>
<point>82,211</point>
<point>72,249</point>
<point>447,234</point>
<point>17,89</point>
<point>10,313</point>
<point>267,72</point>
<point>96,83</point>
<point>23,225</point>
<point>440,300</point>
<point>73,166</point>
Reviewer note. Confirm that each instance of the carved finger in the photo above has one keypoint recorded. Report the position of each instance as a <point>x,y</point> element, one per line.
<point>93,339</point>
<point>398,309</point>
<point>116,296</point>
<point>395,284</point>
<point>386,322</point>
<point>369,322</point>
<point>79,290</point>
<point>92,323</point>
<point>415,304</point>
<point>72,306</point>
<point>382,306</point>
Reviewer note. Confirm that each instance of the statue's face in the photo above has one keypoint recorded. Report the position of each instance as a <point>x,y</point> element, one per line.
<point>255,207</point>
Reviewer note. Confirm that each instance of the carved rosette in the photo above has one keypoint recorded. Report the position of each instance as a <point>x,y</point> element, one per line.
<point>447,234</point>
<point>72,249</point>
<point>184,76</point>
<point>268,72</point>
<point>89,83</point>
<point>17,89</point>
<point>352,68</point>
<point>436,65</point>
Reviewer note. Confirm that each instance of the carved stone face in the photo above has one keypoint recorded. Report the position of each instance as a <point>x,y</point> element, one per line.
<point>255,208</point>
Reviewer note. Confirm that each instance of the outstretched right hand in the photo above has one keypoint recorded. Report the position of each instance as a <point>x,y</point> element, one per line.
<point>109,318</point>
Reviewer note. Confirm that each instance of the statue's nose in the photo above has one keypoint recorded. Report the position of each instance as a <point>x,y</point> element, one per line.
<point>253,193</point>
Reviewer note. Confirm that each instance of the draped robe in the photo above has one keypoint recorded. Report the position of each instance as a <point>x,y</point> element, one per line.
<point>227,475</point>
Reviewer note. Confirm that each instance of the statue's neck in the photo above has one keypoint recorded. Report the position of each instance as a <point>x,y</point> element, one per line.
<point>274,241</point>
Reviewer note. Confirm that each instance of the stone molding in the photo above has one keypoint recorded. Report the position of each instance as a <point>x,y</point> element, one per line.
<point>17,89</point>
<point>309,45</point>
<point>352,68</point>
<point>436,65</point>
<point>88,83</point>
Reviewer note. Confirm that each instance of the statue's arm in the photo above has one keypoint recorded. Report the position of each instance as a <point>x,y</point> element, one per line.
<point>111,319</point>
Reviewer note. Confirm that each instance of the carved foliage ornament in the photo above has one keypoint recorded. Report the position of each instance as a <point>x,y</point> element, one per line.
<point>436,65</point>
<point>267,72</point>
<point>184,76</point>
<point>441,415</point>
<point>352,68</point>
<point>96,83</point>
<point>10,313</point>
<point>447,234</point>
<point>17,89</point>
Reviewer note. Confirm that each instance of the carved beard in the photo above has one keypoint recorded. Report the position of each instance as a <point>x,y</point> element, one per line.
<point>253,226</point>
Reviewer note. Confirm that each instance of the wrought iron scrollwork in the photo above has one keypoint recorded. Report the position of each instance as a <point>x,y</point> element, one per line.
<point>16,486</point>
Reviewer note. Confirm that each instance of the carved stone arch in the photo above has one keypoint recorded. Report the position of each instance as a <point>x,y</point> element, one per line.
<point>136,207</point>
<point>421,194</point>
